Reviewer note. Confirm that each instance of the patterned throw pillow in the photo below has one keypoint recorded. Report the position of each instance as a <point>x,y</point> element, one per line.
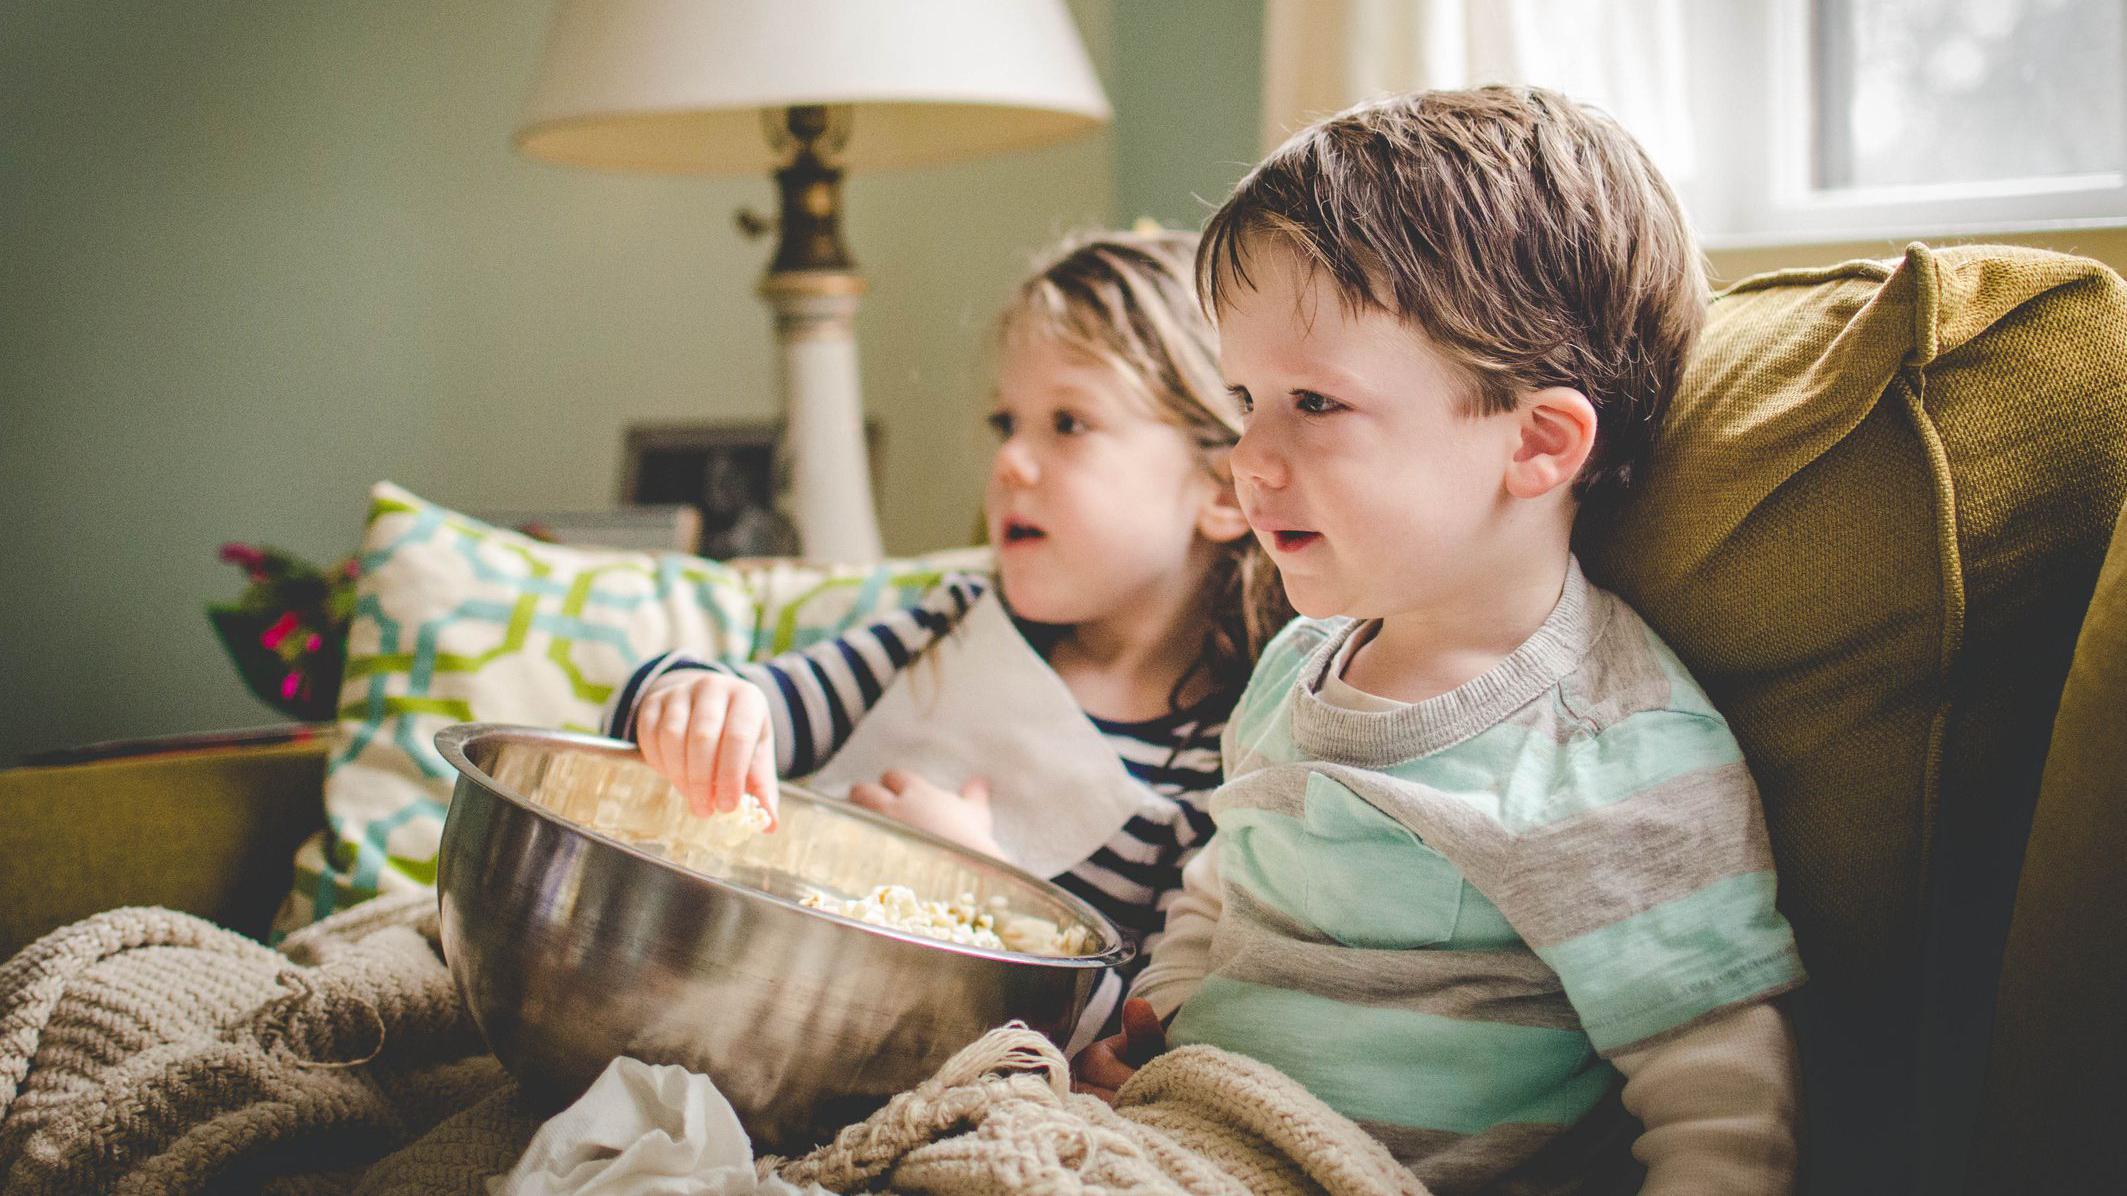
<point>456,621</point>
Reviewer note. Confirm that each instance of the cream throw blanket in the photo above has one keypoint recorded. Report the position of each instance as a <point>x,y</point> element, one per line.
<point>143,1050</point>
<point>1000,1117</point>
<point>148,1051</point>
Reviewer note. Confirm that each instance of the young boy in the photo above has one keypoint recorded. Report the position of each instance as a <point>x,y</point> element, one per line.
<point>1490,875</point>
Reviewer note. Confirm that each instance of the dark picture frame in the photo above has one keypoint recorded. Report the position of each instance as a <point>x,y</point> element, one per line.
<point>730,471</point>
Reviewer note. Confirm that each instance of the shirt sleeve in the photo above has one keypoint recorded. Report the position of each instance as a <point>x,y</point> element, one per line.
<point>1721,1106</point>
<point>1182,957</point>
<point>1653,898</point>
<point>817,694</point>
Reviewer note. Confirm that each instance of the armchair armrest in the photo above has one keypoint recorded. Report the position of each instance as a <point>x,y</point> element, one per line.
<point>211,833</point>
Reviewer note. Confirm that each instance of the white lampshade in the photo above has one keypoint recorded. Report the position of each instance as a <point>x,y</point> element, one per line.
<point>678,86</point>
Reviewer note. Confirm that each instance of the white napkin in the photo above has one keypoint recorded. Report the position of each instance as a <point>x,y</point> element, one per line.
<point>981,702</point>
<point>661,1130</point>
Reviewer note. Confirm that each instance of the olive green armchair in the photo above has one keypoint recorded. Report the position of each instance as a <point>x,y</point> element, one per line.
<point>1883,529</point>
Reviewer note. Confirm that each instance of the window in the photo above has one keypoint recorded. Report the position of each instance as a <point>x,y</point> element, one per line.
<point>1859,119</point>
<point>1912,92</point>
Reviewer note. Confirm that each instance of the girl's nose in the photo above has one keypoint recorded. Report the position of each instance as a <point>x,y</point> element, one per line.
<point>1015,464</point>
<point>1254,463</point>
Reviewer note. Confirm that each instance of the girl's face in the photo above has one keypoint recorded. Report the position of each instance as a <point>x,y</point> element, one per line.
<point>1095,505</point>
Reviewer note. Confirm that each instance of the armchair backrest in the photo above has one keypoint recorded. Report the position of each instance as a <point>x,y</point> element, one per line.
<point>1876,516</point>
<point>2048,1119</point>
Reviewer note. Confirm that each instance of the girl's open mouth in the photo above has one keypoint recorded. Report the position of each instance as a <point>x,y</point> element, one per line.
<point>1294,541</point>
<point>1016,532</point>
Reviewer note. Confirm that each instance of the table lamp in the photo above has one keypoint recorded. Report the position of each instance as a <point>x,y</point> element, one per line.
<point>807,88</point>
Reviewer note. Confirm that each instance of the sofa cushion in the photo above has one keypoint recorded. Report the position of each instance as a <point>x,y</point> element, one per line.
<point>1875,515</point>
<point>457,621</point>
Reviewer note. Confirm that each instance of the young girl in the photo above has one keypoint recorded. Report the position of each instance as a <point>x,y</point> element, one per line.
<point>1123,560</point>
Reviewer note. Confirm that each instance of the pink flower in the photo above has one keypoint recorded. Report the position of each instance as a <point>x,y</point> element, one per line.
<point>314,642</point>
<point>250,559</point>
<point>243,555</point>
<point>273,635</point>
<point>289,685</point>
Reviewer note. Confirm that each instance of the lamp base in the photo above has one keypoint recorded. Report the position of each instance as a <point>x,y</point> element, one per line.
<point>829,497</point>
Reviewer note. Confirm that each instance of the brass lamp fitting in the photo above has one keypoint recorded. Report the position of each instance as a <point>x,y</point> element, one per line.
<point>809,223</point>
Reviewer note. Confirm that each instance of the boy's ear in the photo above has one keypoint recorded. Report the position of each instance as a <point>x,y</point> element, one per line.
<point>1220,520</point>
<point>1555,433</point>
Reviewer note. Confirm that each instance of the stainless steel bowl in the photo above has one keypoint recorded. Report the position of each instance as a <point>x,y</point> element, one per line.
<point>571,947</point>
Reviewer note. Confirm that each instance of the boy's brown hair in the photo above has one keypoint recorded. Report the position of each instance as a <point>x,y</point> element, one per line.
<point>1528,237</point>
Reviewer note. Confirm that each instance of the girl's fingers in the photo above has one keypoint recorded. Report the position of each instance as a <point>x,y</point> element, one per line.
<point>872,797</point>
<point>1100,1067</point>
<point>670,732</point>
<point>760,777</point>
<point>646,731</point>
<point>704,729</point>
<point>1106,1095</point>
<point>744,720</point>
<point>1143,1036</point>
<point>977,790</point>
<point>896,779</point>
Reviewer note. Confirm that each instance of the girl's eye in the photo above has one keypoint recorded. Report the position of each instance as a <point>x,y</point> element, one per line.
<point>1068,424</point>
<point>1310,403</point>
<point>1240,395</point>
<point>1001,423</point>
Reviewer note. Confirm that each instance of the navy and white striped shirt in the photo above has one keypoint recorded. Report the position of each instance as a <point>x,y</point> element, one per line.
<point>817,694</point>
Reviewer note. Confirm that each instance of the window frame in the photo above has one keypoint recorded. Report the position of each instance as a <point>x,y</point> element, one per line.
<point>1756,183</point>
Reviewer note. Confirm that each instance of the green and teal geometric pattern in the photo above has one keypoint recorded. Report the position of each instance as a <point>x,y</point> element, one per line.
<point>458,621</point>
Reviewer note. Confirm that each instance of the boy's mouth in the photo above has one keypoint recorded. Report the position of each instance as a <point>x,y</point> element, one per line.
<point>1294,541</point>
<point>1018,531</point>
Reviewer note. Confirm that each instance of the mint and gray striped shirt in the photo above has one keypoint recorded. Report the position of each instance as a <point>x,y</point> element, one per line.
<point>1442,918</point>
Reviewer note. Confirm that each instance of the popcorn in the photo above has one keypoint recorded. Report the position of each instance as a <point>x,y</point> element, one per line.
<point>641,808</point>
<point>1039,936</point>
<point>691,837</point>
<point>654,815</point>
<point>958,921</point>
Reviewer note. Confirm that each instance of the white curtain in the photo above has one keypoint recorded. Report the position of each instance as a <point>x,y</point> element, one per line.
<point>1627,57</point>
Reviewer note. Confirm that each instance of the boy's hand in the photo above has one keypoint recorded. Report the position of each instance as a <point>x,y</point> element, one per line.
<point>962,817</point>
<point>1103,1068</point>
<point>710,735</point>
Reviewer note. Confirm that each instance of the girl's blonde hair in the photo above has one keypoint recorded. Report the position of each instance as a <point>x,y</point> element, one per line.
<point>1129,300</point>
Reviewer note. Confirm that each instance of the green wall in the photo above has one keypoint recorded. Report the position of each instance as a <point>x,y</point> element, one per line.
<point>255,256</point>
<point>1186,93</point>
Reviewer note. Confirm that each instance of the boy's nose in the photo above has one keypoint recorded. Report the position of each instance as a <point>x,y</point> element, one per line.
<point>1254,463</point>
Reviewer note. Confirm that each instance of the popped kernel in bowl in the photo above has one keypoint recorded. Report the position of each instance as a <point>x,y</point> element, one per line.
<point>958,921</point>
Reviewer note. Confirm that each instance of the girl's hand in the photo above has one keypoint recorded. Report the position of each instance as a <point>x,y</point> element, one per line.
<point>1103,1068</point>
<point>962,817</point>
<point>710,735</point>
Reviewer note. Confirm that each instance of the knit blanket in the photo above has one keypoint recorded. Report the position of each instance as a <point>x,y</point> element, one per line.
<point>1000,1117</point>
<point>148,1051</point>
<point>143,1050</point>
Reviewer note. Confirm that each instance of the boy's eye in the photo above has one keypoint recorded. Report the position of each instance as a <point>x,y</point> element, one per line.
<point>1310,403</point>
<point>1068,424</point>
<point>1000,422</point>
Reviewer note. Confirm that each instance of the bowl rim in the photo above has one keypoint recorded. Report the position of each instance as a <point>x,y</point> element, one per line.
<point>453,740</point>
